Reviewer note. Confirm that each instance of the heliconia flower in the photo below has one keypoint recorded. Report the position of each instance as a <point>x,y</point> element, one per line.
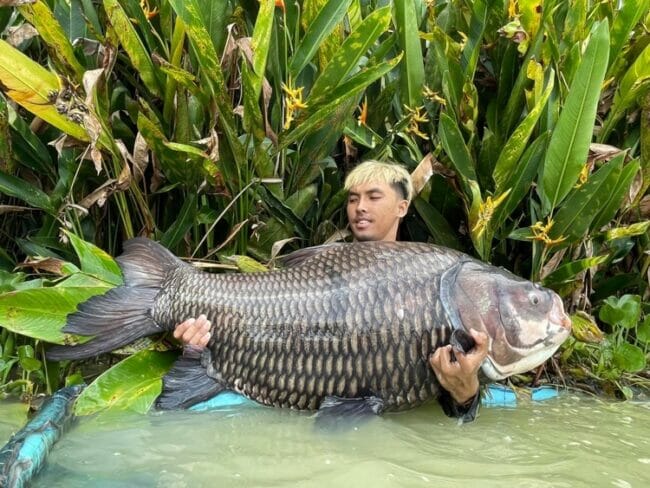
<point>361,120</point>
<point>293,102</point>
<point>416,117</point>
<point>486,211</point>
<point>541,231</point>
<point>148,13</point>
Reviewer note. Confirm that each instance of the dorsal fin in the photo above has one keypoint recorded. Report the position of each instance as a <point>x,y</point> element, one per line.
<point>301,255</point>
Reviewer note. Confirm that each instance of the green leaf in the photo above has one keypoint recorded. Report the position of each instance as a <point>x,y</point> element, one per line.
<point>616,195</point>
<point>629,357</point>
<point>253,76</point>
<point>575,216</point>
<point>215,15</point>
<point>455,147</point>
<point>350,88</point>
<point>183,222</point>
<point>133,45</point>
<point>508,162</point>
<point>572,135</point>
<point>40,313</point>
<point>623,312</point>
<point>412,69</point>
<point>349,54</point>
<point>637,229</point>
<point>627,15</point>
<point>568,271</point>
<point>32,86</point>
<point>475,38</point>
<point>190,12</point>
<point>327,19</point>
<point>27,360</point>
<point>634,83</point>
<point>520,181</point>
<point>27,147</point>
<point>133,384</point>
<point>439,228</point>
<point>41,17</point>
<point>15,187</point>
<point>643,331</point>
<point>94,261</point>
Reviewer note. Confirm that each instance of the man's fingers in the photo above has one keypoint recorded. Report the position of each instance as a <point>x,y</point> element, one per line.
<point>180,329</point>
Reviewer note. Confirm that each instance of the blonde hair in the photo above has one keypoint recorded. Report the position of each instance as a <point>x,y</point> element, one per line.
<point>395,175</point>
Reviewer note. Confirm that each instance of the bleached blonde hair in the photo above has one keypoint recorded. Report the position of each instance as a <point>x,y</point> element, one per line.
<point>395,175</point>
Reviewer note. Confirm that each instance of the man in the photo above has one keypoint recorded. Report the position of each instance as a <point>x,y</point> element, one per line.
<point>379,195</point>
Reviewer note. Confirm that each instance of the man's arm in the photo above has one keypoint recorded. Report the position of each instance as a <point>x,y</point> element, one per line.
<point>194,332</point>
<point>459,378</point>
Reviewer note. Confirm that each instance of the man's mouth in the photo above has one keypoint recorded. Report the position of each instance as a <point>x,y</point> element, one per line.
<point>362,223</point>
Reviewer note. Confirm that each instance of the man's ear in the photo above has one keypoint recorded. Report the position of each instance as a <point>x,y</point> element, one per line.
<point>402,208</point>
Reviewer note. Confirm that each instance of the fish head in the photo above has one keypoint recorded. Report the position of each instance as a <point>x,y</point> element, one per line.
<point>525,322</point>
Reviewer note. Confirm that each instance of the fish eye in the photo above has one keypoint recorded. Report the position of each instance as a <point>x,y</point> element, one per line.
<point>534,299</point>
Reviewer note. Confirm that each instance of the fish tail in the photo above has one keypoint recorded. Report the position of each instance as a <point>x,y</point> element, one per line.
<point>125,313</point>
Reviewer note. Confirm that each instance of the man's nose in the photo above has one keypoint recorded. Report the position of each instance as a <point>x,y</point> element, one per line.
<point>361,205</point>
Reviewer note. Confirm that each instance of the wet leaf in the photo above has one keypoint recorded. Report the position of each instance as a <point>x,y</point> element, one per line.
<point>643,331</point>
<point>623,312</point>
<point>629,357</point>
<point>95,261</point>
<point>41,313</point>
<point>132,384</point>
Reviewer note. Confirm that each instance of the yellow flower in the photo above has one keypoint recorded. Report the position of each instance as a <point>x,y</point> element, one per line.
<point>513,8</point>
<point>149,14</point>
<point>486,211</point>
<point>361,120</point>
<point>416,117</point>
<point>540,233</point>
<point>293,102</point>
<point>433,96</point>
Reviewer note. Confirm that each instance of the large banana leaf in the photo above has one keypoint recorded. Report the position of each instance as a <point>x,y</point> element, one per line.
<point>572,135</point>
<point>133,384</point>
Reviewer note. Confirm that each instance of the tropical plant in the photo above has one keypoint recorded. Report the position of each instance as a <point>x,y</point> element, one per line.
<point>224,127</point>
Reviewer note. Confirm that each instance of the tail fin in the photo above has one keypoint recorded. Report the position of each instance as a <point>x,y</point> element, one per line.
<point>123,314</point>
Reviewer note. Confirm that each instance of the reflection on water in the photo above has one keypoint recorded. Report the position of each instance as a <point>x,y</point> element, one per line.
<point>13,416</point>
<point>571,441</point>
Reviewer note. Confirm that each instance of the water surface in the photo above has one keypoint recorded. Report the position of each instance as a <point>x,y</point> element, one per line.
<point>570,441</point>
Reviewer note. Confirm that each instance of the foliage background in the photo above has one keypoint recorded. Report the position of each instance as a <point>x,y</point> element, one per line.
<point>223,129</point>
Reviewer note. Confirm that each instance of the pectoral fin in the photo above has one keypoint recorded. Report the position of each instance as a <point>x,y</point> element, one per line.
<point>187,383</point>
<point>336,412</point>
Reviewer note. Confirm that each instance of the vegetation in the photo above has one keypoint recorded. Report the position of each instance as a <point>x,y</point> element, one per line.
<point>224,127</point>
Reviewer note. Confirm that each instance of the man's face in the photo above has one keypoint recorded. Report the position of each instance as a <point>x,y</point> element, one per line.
<point>374,211</point>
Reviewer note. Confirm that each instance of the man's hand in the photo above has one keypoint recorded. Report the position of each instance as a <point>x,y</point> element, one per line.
<point>194,332</point>
<point>460,377</point>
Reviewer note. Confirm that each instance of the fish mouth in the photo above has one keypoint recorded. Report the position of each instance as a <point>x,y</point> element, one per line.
<point>526,357</point>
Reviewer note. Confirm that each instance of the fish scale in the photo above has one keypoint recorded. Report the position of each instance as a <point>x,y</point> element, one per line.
<point>372,328</point>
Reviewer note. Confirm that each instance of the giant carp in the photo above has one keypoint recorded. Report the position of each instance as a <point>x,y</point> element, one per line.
<point>341,321</point>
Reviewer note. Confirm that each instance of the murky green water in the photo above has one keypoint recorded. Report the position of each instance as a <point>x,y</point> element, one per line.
<point>567,442</point>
